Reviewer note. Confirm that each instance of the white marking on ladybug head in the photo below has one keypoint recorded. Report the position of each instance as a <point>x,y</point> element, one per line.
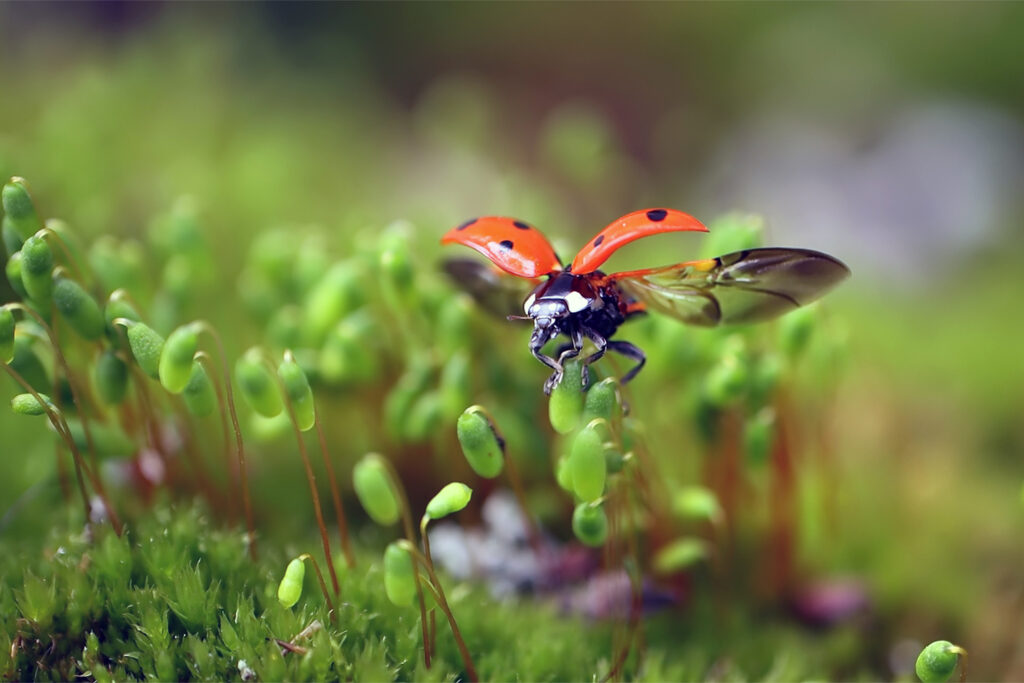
<point>576,302</point>
<point>529,302</point>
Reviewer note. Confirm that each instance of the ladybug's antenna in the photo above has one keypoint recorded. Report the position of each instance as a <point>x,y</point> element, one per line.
<point>519,317</point>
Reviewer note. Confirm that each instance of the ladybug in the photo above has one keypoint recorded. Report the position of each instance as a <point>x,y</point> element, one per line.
<point>582,302</point>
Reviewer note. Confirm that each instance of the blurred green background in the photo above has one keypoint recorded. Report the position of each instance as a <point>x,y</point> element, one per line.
<point>890,135</point>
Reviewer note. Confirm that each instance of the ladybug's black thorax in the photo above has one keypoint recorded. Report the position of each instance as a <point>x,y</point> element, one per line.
<point>591,304</point>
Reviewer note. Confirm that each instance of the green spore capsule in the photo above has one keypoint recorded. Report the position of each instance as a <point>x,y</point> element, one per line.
<point>679,555</point>
<point>176,360</point>
<point>481,442</point>
<point>111,378</point>
<point>118,308</point>
<point>79,309</point>
<point>399,575</point>
<point>587,465</point>
<point>733,232</point>
<point>37,269</point>
<point>257,385</point>
<point>290,589</point>
<point>796,329</point>
<point>938,661</point>
<point>759,436</point>
<point>199,395</point>
<point>396,261</point>
<point>727,379</point>
<point>7,326</point>
<point>147,346</point>
<point>456,384</point>
<point>452,498</point>
<point>26,404</point>
<point>424,417</point>
<point>19,209</point>
<point>11,239</point>
<point>27,364</point>
<point>297,386</point>
<point>13,271</point>
<point>590,524</point>
<point>602,401</point>
<point>337,293</point>
<point>565,407</point>
<point>698,503</point>
<point>371,479</point>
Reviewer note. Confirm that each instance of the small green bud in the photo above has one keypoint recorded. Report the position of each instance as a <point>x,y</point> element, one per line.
<point>696,502</point>
<point>937,661</point>
<point>26,404</point>
<point>602,401</point>
<point>680,554</point>
<point>396,262</point>
<point>727,379</point>
<point>36,270</point>
<point>147,347</point>
<point>297,386</point>
<point>7,326</point>
<point>111,377</point>
<point>78,308</point>
<point>587,463</point>
<point>284,330</point>
<point>423,418</point>
<point>456,384</point>
<point>450,499</point>
<point>27,364</point>
<point>290,589</point>
<point>337,293</point>
<point>13,272</point>
<point>565,406</point>
<point>563,475</point>
<point>796,329</point>
<point>590,524</point>
<point>176,360</point>
<point>759,436</point>
<point>118,308</point>
<point>399,575</point>
<point>199,395</point>
<point>19,208</point>
<point>403,395</point>
<point>733,232</point>
<point>481,442</point>
<point>348,354</point>
<point>765,379</point>
<point>257,385</point>
<point>371,479</point>
<point>12,240</point>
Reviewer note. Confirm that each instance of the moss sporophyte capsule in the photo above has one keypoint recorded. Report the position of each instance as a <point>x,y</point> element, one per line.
<point>147,347</point>
<point>79,309</point>
<point>258,387</point>
<point>36,269</point>
<point>26,404</point>
<point>565,407</point>
<point>399,575</point>
<point>938,661</point>
<point>176,360</point>
<point>199,395</point>
<point>7,326</point>
<point>19,209</point>
<point>371,479</point>
<point>481,442</point>
<point>296,385</point>
<point>450,499</point>
<point>587,464</point>
<point>290,589</point>
<point>111,377</point>
<point>590,524</point>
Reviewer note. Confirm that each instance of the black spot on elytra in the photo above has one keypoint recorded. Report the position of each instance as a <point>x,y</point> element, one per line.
<point>597,242</point>
<point>521,225</point>
<point>657,215</point>
<point>506,244</point>
<point>468,223</point>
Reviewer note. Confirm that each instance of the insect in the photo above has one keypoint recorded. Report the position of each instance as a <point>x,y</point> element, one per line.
<point>581,302</point>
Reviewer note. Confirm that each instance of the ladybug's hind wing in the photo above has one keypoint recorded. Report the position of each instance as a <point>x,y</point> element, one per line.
<point>742,287</point>
<point>513,245</point>
<point>493,290</point>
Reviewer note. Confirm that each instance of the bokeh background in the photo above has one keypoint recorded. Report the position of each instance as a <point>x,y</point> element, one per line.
<point>890,135</point>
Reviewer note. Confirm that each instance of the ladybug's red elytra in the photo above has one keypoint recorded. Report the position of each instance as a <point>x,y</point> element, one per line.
<point>581,302</point>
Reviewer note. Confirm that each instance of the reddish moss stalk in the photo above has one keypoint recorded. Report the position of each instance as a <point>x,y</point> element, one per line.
<point>339,510</point>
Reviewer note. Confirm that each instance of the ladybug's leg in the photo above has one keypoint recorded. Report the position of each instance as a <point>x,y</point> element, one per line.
<point>602,345</point>
<point>556,376</point>
<point>565,352</point>
<point>629,351</point>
